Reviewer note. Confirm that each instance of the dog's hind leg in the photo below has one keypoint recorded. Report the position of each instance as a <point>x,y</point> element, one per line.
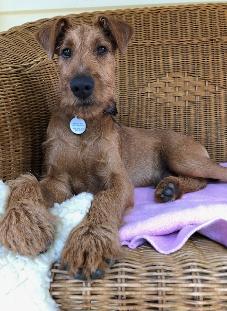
<point>173,187</point>
<point>186,157</point>
<point>197,166</point>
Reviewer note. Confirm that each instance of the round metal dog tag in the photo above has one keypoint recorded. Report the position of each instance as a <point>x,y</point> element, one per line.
<point>77,125</point>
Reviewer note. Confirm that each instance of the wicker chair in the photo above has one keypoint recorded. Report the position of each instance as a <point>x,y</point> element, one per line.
<point>173,76</point>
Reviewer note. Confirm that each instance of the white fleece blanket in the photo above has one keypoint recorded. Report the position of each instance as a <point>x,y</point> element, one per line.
<point>25,282</point>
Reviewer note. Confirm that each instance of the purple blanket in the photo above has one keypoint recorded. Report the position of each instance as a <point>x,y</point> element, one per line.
<point>167,226</point>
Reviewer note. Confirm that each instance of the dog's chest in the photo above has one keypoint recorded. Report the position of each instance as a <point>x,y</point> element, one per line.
<point>85,160</point>
<point>82,154</point>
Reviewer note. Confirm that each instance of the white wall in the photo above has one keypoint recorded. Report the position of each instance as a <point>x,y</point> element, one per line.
<point>16,12</point>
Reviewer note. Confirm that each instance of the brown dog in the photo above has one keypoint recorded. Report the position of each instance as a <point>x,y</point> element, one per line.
<point>106,159</point>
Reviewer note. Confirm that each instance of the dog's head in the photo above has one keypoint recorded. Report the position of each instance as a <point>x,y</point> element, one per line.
<point>86,57</point>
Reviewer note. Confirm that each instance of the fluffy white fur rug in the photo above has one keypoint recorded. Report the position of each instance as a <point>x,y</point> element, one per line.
<point>25,282</point>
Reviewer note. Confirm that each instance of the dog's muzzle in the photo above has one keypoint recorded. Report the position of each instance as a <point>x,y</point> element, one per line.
<point>82,86</point>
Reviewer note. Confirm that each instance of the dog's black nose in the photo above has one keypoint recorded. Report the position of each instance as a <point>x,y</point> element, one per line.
<point>82,86</point>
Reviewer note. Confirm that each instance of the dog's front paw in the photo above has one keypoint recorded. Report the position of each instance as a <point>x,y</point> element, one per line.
<point>89,250</point>
<point>27,229</point>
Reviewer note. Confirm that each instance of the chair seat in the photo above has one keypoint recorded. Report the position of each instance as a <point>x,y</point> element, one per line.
<point>194,278</point>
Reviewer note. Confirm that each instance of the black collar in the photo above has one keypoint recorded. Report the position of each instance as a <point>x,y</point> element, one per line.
<point>111,110</point>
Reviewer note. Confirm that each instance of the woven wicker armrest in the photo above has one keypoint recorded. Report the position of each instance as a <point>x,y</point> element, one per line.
<point>28,90</point>
<point>173,76</point>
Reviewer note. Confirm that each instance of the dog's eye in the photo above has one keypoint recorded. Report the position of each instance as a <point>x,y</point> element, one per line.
<point>66,53</point>
<point>101,50</point>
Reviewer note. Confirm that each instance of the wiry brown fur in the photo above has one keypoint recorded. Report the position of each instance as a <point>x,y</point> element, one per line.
<point>27,226</point>
<point>107,160</point>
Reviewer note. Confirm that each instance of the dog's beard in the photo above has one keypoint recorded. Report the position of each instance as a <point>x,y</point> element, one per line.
<point>88,109</point>
<point>85,103</point>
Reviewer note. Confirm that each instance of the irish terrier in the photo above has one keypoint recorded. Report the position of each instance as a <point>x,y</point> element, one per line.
<point>86,150</point>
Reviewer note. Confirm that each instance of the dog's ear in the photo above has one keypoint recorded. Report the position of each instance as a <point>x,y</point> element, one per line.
<point>51,35</point>
<point>118,31</point>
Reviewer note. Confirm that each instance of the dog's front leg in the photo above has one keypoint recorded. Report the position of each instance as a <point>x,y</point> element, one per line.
<point>27,227</point>
<point>95,242</point>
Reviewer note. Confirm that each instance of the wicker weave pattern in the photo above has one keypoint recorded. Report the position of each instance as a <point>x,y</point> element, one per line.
<point>173,76</point>
<point>146,280</point>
